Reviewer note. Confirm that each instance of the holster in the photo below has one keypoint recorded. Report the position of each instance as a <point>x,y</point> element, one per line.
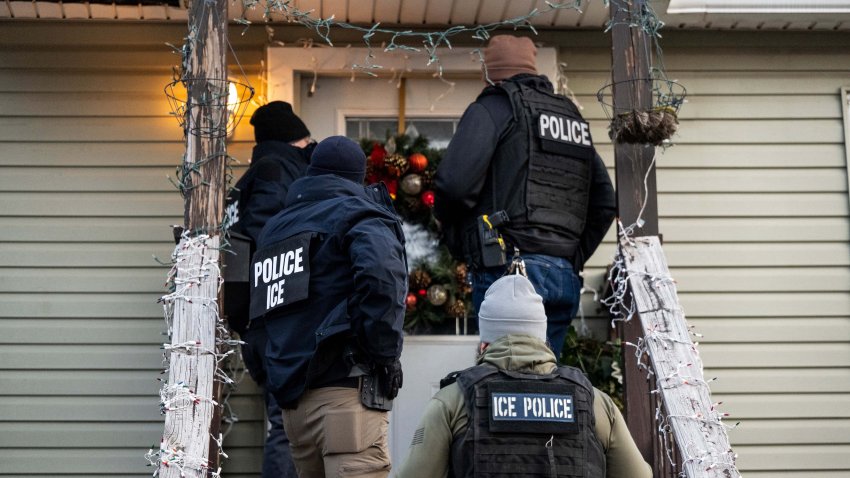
<point>483,244</point>
<point>370,388</point>
<point>370,394</point>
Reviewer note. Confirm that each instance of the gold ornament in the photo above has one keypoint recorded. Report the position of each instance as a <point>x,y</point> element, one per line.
<point>437,295</point>
<point>411,184</point>
<point>457,308</point>
<point>420,279</point>
<point>461,272</point>
<point>396,164</point>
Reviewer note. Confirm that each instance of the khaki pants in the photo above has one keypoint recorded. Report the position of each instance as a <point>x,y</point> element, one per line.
<point>333,435</point>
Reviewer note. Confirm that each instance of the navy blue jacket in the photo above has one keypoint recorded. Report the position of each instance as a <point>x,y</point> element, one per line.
<point>357,287</point>
<point>465,168</point>
<point>261,191</point>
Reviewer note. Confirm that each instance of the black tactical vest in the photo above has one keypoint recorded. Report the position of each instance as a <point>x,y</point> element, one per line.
<point>542,168</point>
<point>526,425</point>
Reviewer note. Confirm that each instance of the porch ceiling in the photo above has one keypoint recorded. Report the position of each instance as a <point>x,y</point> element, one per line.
<point>414,13</point>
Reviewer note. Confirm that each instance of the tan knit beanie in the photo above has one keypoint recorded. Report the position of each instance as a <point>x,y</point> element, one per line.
<point>507,55</point>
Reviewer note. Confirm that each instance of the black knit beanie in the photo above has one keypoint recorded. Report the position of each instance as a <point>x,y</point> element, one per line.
<point>276,122</point>
<point>338,155</point>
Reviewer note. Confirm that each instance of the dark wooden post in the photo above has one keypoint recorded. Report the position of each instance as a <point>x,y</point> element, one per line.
<point>206,124</point>
<point>632,91</point>
<point>636,195</point>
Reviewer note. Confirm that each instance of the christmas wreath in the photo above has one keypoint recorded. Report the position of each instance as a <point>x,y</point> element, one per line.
<point>438,288</point>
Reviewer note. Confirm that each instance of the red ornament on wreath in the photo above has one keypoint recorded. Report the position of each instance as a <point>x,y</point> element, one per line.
<point>417,162</point>
<point>422,292</point>
<point>410,301</point>
<point>428,198</point>
<point>376,157</point>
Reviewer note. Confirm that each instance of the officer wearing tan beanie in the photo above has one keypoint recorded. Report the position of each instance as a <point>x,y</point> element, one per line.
<point>507,56</point>
<point>524,154</point>
<point>553,423</point>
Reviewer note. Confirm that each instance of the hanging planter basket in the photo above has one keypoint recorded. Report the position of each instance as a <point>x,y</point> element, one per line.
<point>655,125</point>
<point>216,111</point>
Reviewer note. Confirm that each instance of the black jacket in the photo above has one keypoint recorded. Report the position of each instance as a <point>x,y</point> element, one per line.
<point>357,285</point>
<point>464,173</point>
<point>260,192</point>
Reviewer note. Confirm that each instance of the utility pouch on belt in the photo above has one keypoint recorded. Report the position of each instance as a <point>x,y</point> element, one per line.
<point>490,242</point>
<point>370,394</point>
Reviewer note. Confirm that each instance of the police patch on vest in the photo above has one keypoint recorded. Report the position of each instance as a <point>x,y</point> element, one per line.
<point>531,407</point>
<point>563,129</point>
<point>280,274</point>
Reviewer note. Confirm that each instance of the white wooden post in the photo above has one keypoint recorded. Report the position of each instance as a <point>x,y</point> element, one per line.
<point>689,413</point>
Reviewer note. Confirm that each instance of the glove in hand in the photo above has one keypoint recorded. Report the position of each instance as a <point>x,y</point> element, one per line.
<point>390,378</point>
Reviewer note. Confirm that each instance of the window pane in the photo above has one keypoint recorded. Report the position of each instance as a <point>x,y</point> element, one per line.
<point>439,131</point>
<point>381,129</point>
<point>352,129</point>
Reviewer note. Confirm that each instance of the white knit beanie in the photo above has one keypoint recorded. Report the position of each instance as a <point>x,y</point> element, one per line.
<point>511,306</point>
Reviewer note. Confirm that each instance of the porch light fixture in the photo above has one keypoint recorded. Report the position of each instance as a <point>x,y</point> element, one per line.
<point>758,6</point>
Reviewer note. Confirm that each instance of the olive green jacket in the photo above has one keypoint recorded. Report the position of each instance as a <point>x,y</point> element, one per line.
<point>445,417</point>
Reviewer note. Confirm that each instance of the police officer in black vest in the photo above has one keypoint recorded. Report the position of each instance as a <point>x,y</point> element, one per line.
<point>521,173</point>
<point>330,280</point>
<point>281,156</point>
<point>516,413</point>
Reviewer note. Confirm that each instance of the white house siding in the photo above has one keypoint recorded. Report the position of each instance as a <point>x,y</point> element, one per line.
<point>753,203</point>
<point>86,149</point>
<point>753,209</point>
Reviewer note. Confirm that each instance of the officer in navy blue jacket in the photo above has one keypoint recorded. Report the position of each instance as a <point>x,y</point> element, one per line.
<point>281,156</point>
<point>330,279</point>
<point>525,151</point>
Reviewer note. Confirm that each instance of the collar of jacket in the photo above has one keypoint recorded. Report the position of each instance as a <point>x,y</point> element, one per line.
<point>520,353</point>
<point>325,186</point>
<point>539,82</point>
<point>278,148</point>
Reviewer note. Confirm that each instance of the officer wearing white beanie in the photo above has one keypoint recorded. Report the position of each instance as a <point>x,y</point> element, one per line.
<point>511,306</point>
<point>455,437</point>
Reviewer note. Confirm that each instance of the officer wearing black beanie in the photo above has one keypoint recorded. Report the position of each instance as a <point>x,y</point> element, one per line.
<point>276,122</point>
<point>281,156</point>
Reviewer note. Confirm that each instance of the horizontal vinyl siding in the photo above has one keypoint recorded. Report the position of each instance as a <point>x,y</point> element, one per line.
<point>87,147</point>
<point>753,209</point>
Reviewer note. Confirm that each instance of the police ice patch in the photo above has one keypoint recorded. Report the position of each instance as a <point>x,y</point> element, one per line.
<point>280,274</point>
<point>531,407</point>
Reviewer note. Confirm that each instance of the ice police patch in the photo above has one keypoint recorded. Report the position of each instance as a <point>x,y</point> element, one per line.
<point>531,407</point>
<point>535,407</point>
<point>280,274</point>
